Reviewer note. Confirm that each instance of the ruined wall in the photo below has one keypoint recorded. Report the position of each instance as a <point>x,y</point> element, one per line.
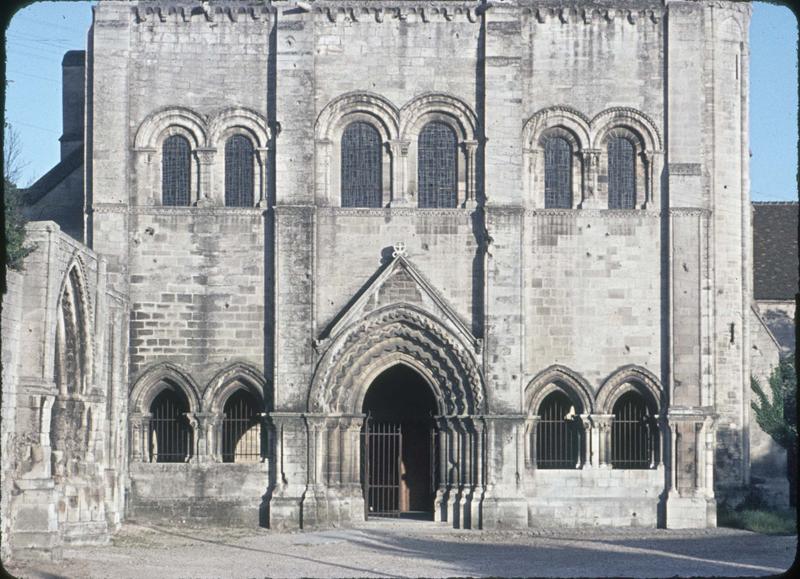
<point>65,445</point>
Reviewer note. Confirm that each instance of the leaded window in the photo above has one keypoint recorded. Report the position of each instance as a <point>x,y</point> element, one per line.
<point>557,173</point>
<point>361,166</point>
<point>621,174</point>
<point>633,433</point>
<point>436,166</point>
<point>175,170</point>
<point>239,172</point>
<point>170,435</point>
<point>558,435</point>
<point>242,435</point>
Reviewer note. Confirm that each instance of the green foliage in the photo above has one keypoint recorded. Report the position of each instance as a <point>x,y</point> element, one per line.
<point>768,522</point>
<point>16,250</point>
<point>777,415</point>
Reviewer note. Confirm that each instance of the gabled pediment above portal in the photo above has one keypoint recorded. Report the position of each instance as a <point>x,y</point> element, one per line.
<point>401,284</point>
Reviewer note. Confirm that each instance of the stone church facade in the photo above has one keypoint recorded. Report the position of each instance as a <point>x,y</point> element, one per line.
<point>513,237</point>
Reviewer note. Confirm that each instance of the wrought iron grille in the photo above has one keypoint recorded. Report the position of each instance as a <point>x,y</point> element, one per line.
<point>361,166</point>
<point>239,172</point>
<point>175,170</point>
<point>558,437</point>
<point>437,151</point>
<point>382,449</point>
<point>170,433</point>
<point>557,173</point>
<point>243,438</point>
<point>632,433</point>
<point>621,174</point>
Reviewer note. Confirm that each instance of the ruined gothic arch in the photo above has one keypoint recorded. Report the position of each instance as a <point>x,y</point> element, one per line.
<point>158,377</point>
<point>397,334</point>
<point>73,351</point>
<point>557,378</point>
<point>627,379</point>
<point>238,375</point>
<point>348,108</point>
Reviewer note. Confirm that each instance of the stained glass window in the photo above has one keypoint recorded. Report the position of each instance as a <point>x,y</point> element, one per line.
<point>239,172</point>
<point>175,171</point>
<point>436,166</point>
<point>557,173</point>
<point>361,166</point>
<point>621,174</point>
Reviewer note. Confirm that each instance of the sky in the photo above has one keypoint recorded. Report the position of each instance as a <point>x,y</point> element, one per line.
<point>40,34</point>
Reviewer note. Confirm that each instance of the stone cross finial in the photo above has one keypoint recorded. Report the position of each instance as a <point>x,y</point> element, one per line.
<point>399,249</point>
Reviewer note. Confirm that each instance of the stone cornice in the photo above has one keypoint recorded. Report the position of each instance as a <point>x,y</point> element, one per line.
<point>594,213</point>
<point>594,12</point>
<point>394,211</point>
<point>204,11</point>
<point>406,11</point>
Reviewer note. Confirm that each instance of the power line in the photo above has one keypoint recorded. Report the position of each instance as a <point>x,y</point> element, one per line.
<point>24,124</point>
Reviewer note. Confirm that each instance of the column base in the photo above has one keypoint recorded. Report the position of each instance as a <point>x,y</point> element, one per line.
<point>503,512</point>
<point>691,512</point>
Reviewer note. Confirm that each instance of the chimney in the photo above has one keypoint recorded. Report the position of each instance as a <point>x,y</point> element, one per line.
<point>73,71</point>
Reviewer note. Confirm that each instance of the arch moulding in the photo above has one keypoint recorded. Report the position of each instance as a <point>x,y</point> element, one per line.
<point>233,377</point>
<point>557,378</point>
<point>400,334</point>
<point>626,379</point>
<point>145,388</point>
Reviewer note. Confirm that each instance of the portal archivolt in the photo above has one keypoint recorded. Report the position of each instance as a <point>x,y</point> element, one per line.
<point>397,334</point>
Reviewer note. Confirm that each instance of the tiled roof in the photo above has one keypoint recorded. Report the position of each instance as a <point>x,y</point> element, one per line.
<point>775,265</point>
<point>53,177</point>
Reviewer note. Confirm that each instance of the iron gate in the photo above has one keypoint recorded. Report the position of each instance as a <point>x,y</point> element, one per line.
<point>382,449</point>
<point>383,469</point>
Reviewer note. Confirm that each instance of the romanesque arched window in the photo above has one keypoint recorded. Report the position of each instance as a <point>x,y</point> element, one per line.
<point>176,166</point>
<point>437,151</point>
<point>633,433</point>
<point>621,173</point>
<point>557,173</point>
<point>242,436</point>
<point>170,435</point>
<point>558,433</point>
<point>361,166</point>
<point>239,177</point>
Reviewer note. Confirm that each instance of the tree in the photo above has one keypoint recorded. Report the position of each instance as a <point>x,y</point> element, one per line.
<point>777,415</point>
<point>16,250</point>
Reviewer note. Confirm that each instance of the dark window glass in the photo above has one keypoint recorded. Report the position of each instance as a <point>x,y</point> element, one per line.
<point>558,434</point>
<point>170,434</point>
<point>361,166</point>
<point>633,433</point>
<point>239,172</point>
<point>621,174</point>
<point>242,434</point>
<point>557,173</point>
<point>175,170</point>
<point>436,166</point>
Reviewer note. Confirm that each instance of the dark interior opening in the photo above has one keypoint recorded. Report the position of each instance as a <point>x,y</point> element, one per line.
<point>399,401</point>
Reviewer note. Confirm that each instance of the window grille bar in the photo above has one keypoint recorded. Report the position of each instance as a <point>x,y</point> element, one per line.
<point>239,159</point>
<point>632,438</point>
<point>243,436</point>
<point>170,436</point>
<point>557,173</point>
<point>437,154</point>
<point>175,171</point>
<point>361,171</point>
<point>558,438</point>
<point>621,174</point>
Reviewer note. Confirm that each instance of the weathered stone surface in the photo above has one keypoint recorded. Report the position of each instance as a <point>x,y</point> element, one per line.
<point>496,301</point>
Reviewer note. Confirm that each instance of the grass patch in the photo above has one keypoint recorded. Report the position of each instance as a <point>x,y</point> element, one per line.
<point>759,520</point>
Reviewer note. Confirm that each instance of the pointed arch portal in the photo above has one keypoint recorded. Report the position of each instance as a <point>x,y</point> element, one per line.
<point>398,456</point>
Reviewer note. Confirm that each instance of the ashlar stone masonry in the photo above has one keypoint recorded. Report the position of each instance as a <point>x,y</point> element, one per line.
<point>517,231</point>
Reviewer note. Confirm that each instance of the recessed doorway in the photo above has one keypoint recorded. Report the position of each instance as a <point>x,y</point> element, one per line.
<point>398,456</point>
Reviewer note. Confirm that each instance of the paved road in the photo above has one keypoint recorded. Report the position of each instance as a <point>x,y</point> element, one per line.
<point>420,549</point>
